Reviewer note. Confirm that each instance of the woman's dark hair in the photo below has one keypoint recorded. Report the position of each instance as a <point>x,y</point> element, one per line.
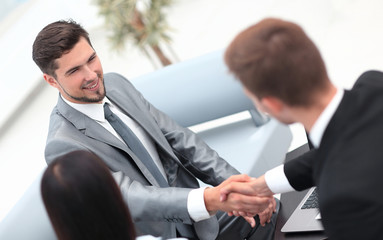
<point>53,41</point>
<point>83,200</point>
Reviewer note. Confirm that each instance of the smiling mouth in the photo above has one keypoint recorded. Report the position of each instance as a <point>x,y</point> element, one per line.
<point>93,86</point>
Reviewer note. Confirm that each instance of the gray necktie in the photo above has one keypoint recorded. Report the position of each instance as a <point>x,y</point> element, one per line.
<point>134,144</point>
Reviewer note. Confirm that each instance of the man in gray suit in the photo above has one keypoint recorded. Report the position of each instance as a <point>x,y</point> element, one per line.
<point>64,53</point>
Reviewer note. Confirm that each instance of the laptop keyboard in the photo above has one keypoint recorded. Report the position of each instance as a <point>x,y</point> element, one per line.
<point>311,201</point>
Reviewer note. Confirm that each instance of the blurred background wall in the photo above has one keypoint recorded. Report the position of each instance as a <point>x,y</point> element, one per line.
<point>347,32</point>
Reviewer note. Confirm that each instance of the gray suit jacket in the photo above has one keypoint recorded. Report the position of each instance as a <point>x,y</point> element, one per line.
<point>185,157</point>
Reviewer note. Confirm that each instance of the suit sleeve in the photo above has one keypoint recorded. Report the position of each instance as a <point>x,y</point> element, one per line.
<point>193,152</point>
<point>155,204</point>
<point>299,171</point>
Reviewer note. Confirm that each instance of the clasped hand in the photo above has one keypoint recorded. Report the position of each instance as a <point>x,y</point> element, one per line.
<point>238,196</point>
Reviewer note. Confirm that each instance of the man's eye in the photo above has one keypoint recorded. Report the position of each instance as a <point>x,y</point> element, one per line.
<point>73,71</point>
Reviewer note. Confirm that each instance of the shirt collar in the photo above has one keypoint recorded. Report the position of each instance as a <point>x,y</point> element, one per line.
<point>324,118</point>
<point>92,110</point>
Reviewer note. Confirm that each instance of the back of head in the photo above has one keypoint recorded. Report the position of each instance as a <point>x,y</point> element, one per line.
<point>276,58</point>
<point>83,200</point>
<point>53,41</point>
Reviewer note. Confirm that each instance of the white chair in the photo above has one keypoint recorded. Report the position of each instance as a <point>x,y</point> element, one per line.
<point>28,218</point>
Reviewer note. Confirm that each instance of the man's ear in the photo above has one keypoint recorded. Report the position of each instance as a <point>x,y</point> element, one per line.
<point>50,80</point>
<point>272,105</point>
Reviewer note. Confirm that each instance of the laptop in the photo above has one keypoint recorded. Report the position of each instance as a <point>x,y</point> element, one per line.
<point>306,216</point>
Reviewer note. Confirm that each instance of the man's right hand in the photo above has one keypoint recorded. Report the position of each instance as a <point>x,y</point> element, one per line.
<point>264,217</point>
<point>235,201</point>
<point>253,187</point>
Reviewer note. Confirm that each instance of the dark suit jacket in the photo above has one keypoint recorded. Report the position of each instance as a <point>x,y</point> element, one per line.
<point>185,157</point>
<point>347,168</point>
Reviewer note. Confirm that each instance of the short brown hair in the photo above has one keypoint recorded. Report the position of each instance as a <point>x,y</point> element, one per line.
<point>53,41</point>
<point>276,58</point>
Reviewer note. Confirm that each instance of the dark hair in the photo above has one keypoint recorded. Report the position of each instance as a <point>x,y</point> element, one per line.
<point>53,41</point>
<point>83,200</point>
<point>276,58</point>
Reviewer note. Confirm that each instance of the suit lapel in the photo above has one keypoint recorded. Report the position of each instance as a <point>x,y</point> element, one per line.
<point>95,131</point>
<point>146,122</point>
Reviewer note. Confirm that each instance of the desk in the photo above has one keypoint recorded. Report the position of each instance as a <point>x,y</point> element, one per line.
<point>289,201</point>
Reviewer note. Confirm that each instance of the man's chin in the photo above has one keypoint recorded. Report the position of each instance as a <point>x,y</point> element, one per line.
<point>97,99</point>
<point>287,122</point>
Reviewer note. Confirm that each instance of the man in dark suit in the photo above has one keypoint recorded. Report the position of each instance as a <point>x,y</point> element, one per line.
<point>284,74</point>
<point>161,189</point>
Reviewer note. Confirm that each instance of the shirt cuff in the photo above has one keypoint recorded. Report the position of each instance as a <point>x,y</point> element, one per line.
<point>277,181</point>
<point>196,205</point>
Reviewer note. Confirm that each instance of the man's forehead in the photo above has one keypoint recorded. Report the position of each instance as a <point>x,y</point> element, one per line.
<point>76,56</point>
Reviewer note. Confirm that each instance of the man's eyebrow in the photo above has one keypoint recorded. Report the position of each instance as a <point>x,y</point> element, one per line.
<point>75,67</point>
<point>92,56</point>
<point>71,70</point>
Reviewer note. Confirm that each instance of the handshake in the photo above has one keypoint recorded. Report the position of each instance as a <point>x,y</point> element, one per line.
<point>241,195</point>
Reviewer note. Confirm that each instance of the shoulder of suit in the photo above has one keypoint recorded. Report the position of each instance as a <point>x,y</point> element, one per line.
<point>114,76</point>
<point>372,73</point>
<point>370,78</point>
<point>116,79</point>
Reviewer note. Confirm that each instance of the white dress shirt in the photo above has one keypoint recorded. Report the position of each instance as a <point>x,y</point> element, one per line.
<point>195,203</point>
<point>276,178</point>
<point>150,237</point>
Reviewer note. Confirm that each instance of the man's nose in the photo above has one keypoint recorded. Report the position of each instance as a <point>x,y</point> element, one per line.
<point>90,74</point>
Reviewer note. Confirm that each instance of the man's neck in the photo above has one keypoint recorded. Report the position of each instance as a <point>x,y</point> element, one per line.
<point>309,115</point>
